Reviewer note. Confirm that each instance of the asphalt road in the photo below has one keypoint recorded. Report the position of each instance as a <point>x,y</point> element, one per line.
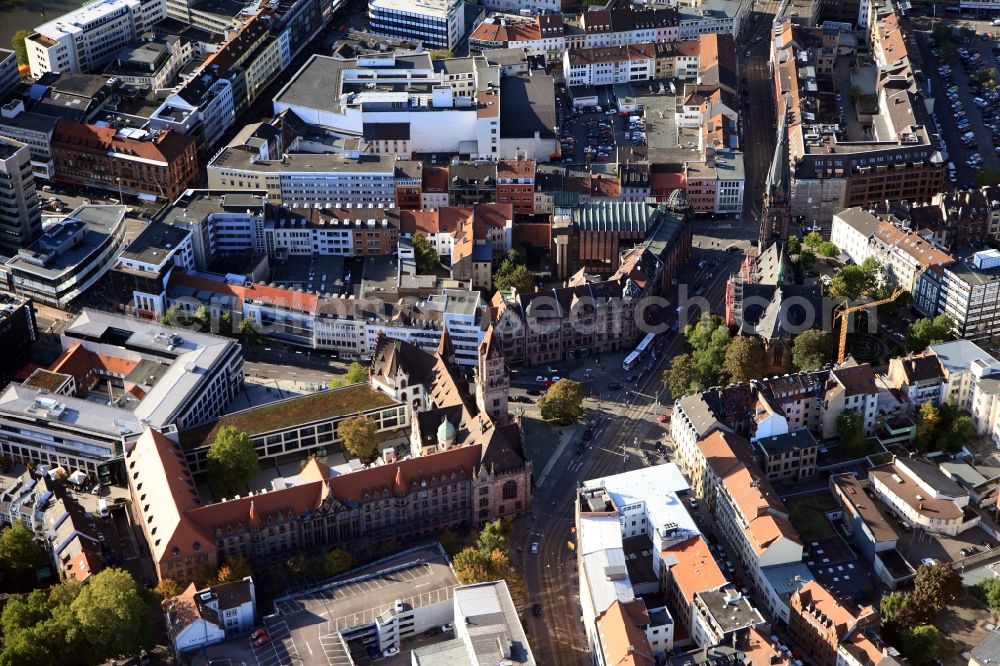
<point>550,576</point>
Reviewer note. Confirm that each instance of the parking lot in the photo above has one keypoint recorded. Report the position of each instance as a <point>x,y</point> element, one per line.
<point>967,103</point>
<point>308,624</point>
<point>592,134</point>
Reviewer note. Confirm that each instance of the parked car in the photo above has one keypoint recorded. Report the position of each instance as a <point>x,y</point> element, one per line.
<point>447,628</point>
<point>615,387</point>
<point>390,652</point>
<point>433,631</point>
<point>261,641</point>
<point>534,548</point>
<point>536,610</point>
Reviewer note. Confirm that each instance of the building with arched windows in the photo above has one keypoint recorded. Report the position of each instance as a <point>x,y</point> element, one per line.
<point>466,466</point>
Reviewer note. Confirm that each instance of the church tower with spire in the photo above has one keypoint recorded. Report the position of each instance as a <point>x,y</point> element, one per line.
<point>492,383</point>
<point>775,215</point>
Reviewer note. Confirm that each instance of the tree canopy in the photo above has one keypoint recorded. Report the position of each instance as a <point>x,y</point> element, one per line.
<point>794,245</point>
<point>811,350</point>
<point>807,260</point>
<point>708,339</point>
<point>232,461</point>
<point>891,604</point>
<point>20,48</point>
<point>356,373</point>
<point>925,332</point>
<point>488,559</point>
<point>236,567</point>
<point>827,249</point>
<point>855,282</point>
<point>426,256</point>
<point>922,645</point>
<point>744,359</point>
<point>77,624</point>
<point>562,404</point>
<point>812,239</point>
<point>513,274</point>
<point>20,552</point>
<point>934,587</point>
<point>851,429</point>
<point>360,436</point>
<point>943,428</point>
<point>682,378</point>
<point>337,561</point>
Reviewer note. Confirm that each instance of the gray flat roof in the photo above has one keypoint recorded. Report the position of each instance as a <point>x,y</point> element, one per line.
<point>448,653</point>
<point>490,617</point>
<point>958,355</point>
<point>71,413</point>
<point>419,577</point>
<point>154,242</point>
<point>98,224</point>
<point>193,206</point>
<point>527,105</point>
<point>191,356</point>
<point>235,157</point>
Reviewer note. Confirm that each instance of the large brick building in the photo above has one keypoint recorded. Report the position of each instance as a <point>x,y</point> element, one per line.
<point>468,466</point>
<point>161,164</point>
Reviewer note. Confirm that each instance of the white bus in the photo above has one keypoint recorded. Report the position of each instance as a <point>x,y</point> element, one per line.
<point>637,356</point>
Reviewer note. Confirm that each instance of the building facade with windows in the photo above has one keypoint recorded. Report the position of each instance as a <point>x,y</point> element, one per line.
<point>85,39</point>
<point>20,219</point>
<point>435,23</point>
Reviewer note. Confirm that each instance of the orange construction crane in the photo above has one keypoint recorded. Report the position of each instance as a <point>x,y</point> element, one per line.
<point>842,315</point>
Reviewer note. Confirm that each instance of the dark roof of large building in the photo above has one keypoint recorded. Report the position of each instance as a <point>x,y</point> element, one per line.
<point>527,105</point>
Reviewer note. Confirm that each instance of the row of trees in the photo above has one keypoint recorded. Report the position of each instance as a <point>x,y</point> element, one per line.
<point>201,320</point>
<point>71,623</point>
<point>716,358</point>
<point>907,617</point>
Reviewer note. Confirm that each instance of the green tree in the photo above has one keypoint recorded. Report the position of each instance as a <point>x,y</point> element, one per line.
<point>812,239</point>
<point>337,561</point>
<point>987,176</point>
<point>226,324</point>
<point>961,430</point>
<point>854,94</point>
<point>360,436</point>
<point>232,461</point>
<point>19,551</point>
<point>827,249</point>
<point>562,404</point>
<point>236,567</point>
<point>744,359</point>
<point>811,350</point>
<point>851,429</point>
<point>172,316</point>
<point>427,257</point>
<point>987,591</point>
<point>852,282</point>
<point>922,645</point>
<point>494,536</point>
<point>356,373</point>
<point>794,245</point>
<point>513,274</point>
<point>168,588</point>
<point>472,565</point>
<point>928,422</point>
<point>936,586</point>
<point>807,260</point>
<point>708,339</point>
<point>201,320</point>
<point>925,332</point>
<point>24,611</point>
<point>248,331</point>
<point>451,542</point>
<point>20,48</point>
<point>682,377</point>
<point>113,615</point>
<point>891,604</point>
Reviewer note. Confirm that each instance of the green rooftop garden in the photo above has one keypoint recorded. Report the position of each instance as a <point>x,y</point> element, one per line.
<point>291,412</point>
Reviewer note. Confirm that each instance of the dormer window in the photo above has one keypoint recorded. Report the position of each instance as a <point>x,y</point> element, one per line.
<point>196,545</point>
<point>175,551</point>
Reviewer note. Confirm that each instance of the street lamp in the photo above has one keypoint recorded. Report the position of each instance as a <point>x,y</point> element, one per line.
<point>121,197</point>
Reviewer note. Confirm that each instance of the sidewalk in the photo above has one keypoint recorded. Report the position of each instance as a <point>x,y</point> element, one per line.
<point>566,435</point>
